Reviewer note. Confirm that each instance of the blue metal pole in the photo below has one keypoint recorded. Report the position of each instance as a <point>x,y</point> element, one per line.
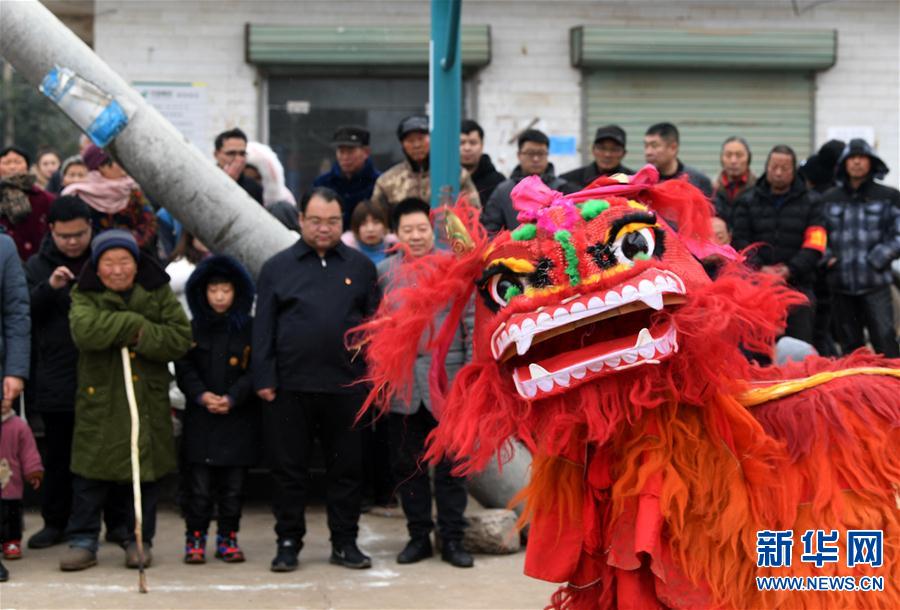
<point>445,93</point>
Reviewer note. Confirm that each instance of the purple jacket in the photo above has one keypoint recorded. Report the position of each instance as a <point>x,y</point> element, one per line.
<point>18,457</point>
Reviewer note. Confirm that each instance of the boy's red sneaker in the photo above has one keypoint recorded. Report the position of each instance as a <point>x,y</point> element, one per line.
<point>195,547</point>
<point>227,548</point>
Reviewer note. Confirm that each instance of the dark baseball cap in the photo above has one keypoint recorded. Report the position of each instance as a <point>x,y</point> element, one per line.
<point>610,132</point>
<point>350,135</point>
<point>411,124</point>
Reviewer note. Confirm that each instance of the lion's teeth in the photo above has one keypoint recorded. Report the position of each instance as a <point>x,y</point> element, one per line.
<point>644,338</point>
<point>537,371</point>
<point>595,366</point>
<point>654,300</point>
<point>561,379</point>
<point>523,342</point>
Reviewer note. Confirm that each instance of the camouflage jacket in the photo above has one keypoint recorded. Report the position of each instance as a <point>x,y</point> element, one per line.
<point>402,181</point>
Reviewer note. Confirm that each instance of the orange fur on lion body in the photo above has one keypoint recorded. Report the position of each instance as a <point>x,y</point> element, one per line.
<point>659,450</point>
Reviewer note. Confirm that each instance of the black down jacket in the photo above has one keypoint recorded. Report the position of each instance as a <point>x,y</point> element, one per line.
<point>56,358</point>
<point>781,232</point>
<point>219,362</point>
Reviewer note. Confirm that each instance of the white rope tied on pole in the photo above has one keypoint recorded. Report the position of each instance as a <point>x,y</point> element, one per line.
<point>135,467</point>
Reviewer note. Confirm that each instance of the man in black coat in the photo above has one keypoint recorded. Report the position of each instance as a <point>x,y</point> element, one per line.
<point>819,173</point>
<point>608,150</point>
<point>473,158</point>
<point>310,295</point>
<point>780,213</point>
<point>661,144</point>
<point>352,175</point>
<point>863,222</point>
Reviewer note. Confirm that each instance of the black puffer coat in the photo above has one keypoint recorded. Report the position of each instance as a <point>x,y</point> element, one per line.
<point>498,212</point>
<point>55,378</point>
<point>780,231</point>
<point>219,362</point>
<point>581,177</point>
<point>486,177</point>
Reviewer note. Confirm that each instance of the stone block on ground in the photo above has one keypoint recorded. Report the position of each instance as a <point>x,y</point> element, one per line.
<point>492,531</point>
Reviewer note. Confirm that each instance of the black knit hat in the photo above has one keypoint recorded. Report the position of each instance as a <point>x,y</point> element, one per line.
<point>820,167</point>
<point>114,238</point>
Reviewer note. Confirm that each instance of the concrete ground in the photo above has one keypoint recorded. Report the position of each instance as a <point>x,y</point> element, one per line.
<point>496,582</point>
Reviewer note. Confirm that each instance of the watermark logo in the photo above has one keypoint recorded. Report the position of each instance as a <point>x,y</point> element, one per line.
<point>865,547</point>
<point>819,547</point>
<point>773,548</point>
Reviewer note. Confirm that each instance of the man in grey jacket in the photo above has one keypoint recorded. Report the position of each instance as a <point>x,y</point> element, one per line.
<point>410,423</point>
<point>15,342</point>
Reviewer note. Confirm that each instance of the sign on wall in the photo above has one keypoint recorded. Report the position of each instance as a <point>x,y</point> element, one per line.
<point>185,105</point>
<point>845,134</point>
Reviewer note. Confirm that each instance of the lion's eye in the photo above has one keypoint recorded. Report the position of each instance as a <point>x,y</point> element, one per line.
<point>636,245</point>
<point>504,286</point>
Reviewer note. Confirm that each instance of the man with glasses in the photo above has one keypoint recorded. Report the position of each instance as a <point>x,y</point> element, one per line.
<point>231,156</point>
<point>309,296</point>
<point>608,150</point>
<point>51,273</point>
<point>534,148</point>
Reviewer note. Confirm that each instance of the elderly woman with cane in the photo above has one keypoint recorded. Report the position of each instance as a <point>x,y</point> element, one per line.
<point>122,301</point>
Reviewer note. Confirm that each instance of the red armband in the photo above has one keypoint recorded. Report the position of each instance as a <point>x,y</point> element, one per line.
<point>815,238</point>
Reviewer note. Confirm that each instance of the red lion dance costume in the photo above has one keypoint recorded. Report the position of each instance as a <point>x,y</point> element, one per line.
<point>659,451</point>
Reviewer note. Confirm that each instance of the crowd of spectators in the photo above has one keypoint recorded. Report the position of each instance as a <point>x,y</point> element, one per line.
<point>90,267</point>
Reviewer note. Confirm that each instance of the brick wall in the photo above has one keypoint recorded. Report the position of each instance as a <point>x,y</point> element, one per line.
<point>529,77</point>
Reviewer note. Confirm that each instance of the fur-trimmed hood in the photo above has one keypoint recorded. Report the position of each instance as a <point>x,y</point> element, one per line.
<point>244,290</point>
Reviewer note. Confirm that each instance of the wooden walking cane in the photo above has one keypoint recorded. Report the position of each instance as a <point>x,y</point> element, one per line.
<point>135,467</point>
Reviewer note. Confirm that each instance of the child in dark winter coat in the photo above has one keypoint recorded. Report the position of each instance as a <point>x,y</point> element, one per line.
<point>19,462</point>
<point>222,418</point>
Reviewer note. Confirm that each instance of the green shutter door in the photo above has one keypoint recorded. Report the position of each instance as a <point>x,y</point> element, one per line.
<point>707,106</point>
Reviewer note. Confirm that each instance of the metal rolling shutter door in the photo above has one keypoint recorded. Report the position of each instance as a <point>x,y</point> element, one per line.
<point>765,107</point>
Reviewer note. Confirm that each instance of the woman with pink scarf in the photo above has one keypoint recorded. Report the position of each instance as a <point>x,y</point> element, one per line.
<point>115,198</point>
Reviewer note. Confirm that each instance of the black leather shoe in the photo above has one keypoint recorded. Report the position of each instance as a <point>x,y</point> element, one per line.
<point>47,537</point>
<point>4,573</point>
<point>416,550</point>
<point>453,553</point>
<point>286,556</point>
<point>349,556</point>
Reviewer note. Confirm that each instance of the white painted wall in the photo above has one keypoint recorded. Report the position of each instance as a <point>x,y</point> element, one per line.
<point>529,76</point>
